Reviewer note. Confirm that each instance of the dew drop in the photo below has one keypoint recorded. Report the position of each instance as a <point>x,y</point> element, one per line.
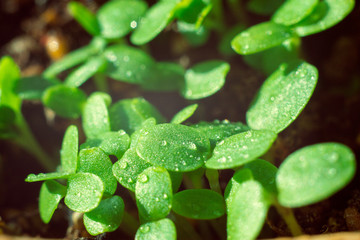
<point>333,157</point>
<point>163,143</point>
<point>157,199</point>
<point>165,196</point>
<point>130,180</point>
<point>269,33</point>
<point>221,142</point>
<point>244,147</point>
<point>248,134</point>
<point>126,58</point>
<point>192,146</point>
<point>133,24</point>
<point>332,172</point>
<point>128,73</point>
<point>144,229</point>
<point>143,178</point>
<point>222,159</point>
<point>176,169</point>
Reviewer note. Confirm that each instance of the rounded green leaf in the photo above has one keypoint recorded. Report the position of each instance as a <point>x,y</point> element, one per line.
<point>293,11</point>
<point>95,161</point>
<point>241,176</point>
<point>51,193</point>
<point>282,96</point>
<point>9,76</point>
<point>129,64</point>
<point>118,18</point>
<point>184,114</point>
<point>165,76</point>
<point>261,37</point>
<point>154,21</point>
<point>106,217</point>
<point>47,176</point>
<point>95,116</point>
<point>128,168</point>
<point>65,101</point>
<point>163,229</point>
<point>32,88</point>
<point>84,192</point>
<point>314,173</point>
<point>153,193</point>
<point>112,143</point>
<point>69,150</point>
<point>136,135</point>
<point>217,130</point>
<point>129,114</point>
<point>325,15</point>
<point>247,211</point>
<point>199,204</point>
<point>241,148</point>
<point>173,146</point>
<point>86,18</point>
<point>205,79</point>
<point>191,11</point>
<point>196,36</point>
<point>82,73</point>
<point>265,173</point>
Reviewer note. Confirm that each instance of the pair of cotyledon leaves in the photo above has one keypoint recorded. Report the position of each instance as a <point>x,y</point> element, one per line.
<point>307,176</point>
<point>115,19</point>
<point>294,18</point>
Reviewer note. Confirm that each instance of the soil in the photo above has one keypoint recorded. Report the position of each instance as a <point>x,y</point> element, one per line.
<point>29,26</point>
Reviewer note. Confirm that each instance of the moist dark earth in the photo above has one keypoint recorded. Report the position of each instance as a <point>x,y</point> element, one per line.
<point>332,114</point>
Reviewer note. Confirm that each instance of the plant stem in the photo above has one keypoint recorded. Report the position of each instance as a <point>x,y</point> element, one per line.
<point>213,178</point>
<point>27,141</point>
<point>218,11</point>
<point>238,11</point>
<point>101,82</point>
<point>185,228</point>
<point>129,224</point>
<point>288,215</point>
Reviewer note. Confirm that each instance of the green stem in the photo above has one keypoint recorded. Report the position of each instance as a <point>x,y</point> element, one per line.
<point>129,224</point>
<point>290,220</point>
<point>237,9</point>
<point>218,11</point>
<point>186,230</point>
<point>213,178</point>
<point>101,82</point>
<point>27,141</point>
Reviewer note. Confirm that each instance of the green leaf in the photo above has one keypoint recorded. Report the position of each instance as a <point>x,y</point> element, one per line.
<point>70,60</point>
<point>51,193</point>
<point>128,168</point>
<point>293,11</point>
<point>184,114</point>
<point>265,173</point>
<point>227,37</point>
<point>115,23</point>
<point>154,21</point>
<point>163,229</point>
<point>95,116</point>
<point>128,64</point>
<point>247,211</point>
<point>9,75</point>
<point>314,173</point>
<point>191,11</point>
<point>205,79</point>
<point>233,186</point>
<point>326,14</point>
<point>269,60</point>
<point>69,150</point>
<point>261,37</point>
<point>173,146</point>
<point>84,192</point>
<point>199,204</point>
<point>241,148</point>
<point>176,180</point>
<point>47,176</point>
<point>153,193</point>
<point>217,131</point>
<point>282,96</point>
<point>7,116</point>
<point>112,143</point>
<point>86,18</point>
<point>264,7</point>
<point>32,88</point>
<point>65,101</point>
<point>95,161</point>
<point>82,73</point>
<point>165,76</point>
<point>196,36</point>
<point>106,217</point>
<point>129,114</point>
<point>136,135</point>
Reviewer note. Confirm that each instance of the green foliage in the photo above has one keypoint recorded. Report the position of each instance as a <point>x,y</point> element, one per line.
<point>314,173</point>
<point>173,146</point>
<point>153,159</point>
<point>199,204</point>
<point>282,96</point>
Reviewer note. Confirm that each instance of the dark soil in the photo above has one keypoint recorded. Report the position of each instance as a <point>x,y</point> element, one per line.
<point>332,114</point>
